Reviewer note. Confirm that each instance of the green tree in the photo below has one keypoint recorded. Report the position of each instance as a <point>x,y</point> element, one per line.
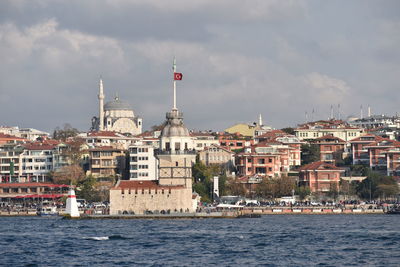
<point>285,186</point>
<point>348,189</point>
<point>302,192</point>
<point>87,189</point>
<point>309,153</point>
<point>377,186</point>
<point>333,191</point>
<point>203,179</point>
<point>288,130</point>
<point>266,189</point>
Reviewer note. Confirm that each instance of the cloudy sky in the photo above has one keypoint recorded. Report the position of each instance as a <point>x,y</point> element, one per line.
<point>239,58</point>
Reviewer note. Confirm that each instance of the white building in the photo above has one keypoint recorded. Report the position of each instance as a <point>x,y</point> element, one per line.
<point>26,133</point>
<point>143,164</point>
<point>203,140</point>
<point>375,121</point>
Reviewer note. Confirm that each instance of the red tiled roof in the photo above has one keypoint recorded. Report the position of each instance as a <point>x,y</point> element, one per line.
<point>330,136</point>
<point>200,134</point>
<point>145,134</point>
<point>318,165</point>
<point>103,134</point>
<point>12,137</point>
<point>39,146</point>
<point>360,138</point>
<point>32,185</point>
<point>105,148</point>
<point>143,185</point>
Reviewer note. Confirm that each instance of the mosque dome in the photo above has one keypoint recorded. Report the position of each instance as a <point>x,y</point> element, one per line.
<point>117,104</point>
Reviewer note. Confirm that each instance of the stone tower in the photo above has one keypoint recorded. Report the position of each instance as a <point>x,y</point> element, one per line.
<point>176,154</point>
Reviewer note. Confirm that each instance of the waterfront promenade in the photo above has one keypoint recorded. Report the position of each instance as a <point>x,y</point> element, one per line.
<point>270,210</point>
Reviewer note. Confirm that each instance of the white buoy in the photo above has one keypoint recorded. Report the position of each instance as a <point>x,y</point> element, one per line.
<point>72,205</point>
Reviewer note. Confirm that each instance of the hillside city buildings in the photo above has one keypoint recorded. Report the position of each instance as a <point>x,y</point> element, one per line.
<point>152,170</point>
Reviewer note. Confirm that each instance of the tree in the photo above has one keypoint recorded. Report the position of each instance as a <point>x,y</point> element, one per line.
<point>73,151</point>
<point>236,189</point>
<point>333,191</point>
<point>348,189</point>
<point>309,153</point>
<point>288,130</point>
<point>303,192</point>
<point>86,189</point>
<point>285,186</point>
<point>266,189</point>
<point>377,186</point>
<point>203,179</point>
<point>68,174</point>
<point>65,133</point>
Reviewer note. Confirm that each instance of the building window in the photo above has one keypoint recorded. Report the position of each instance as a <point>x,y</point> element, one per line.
<point>261,161</point>
<point>270,160</point>
<point>249,160</point>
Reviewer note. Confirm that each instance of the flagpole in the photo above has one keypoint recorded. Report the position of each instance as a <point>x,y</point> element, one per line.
<point>174,69</point>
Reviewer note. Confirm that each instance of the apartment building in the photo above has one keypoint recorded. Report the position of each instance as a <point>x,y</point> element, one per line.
<point>143,164</point>
<point>320,176</point>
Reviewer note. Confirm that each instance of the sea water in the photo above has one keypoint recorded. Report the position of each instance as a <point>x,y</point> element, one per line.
<point>274,240</point>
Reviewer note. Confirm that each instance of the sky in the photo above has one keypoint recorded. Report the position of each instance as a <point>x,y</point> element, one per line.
<point>239,59</point>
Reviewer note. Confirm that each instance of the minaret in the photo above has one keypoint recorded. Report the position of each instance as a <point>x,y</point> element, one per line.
<point>369,111</point>
<point>361,112</point>
<point>101,106</point>
<point>260,123</point>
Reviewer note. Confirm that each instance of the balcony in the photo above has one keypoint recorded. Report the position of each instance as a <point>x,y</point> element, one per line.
<point>175,152</point>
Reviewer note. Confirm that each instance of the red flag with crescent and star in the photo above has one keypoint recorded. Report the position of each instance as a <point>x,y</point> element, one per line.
<point>177,76</point>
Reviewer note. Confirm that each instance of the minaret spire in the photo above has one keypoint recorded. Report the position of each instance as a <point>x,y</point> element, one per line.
<point>260,123</point>
<point>101,105</point>
<point>174,70</point>
<point>361,112</point>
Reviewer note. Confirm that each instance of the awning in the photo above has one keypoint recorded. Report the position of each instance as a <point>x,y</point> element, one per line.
<point>52,196</point>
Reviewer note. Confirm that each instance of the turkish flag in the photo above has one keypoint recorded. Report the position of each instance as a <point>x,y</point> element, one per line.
<point>177,76</point>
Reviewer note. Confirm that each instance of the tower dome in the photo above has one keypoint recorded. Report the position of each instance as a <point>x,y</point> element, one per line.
<point>174,126</point>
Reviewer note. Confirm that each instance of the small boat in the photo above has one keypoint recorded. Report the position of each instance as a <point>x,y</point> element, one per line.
<point>47,211</point>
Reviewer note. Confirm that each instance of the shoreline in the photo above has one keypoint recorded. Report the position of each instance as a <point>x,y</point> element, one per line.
<point>246,213</point>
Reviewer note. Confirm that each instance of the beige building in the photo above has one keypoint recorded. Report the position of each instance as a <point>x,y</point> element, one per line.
<point>215,154</point>
<point>242,128</point>
<point>106,161</point>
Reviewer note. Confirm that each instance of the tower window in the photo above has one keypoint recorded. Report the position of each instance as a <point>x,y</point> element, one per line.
<point>176,164</point>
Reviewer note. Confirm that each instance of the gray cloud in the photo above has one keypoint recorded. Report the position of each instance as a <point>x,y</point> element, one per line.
<point>239,59</point>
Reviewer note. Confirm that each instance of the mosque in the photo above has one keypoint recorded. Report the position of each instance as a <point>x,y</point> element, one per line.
<point>116,116</point>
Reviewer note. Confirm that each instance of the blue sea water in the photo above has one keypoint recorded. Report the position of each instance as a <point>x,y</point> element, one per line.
<point>275,240</point>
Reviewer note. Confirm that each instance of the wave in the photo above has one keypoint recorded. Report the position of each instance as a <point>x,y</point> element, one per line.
<point>111,237</point>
